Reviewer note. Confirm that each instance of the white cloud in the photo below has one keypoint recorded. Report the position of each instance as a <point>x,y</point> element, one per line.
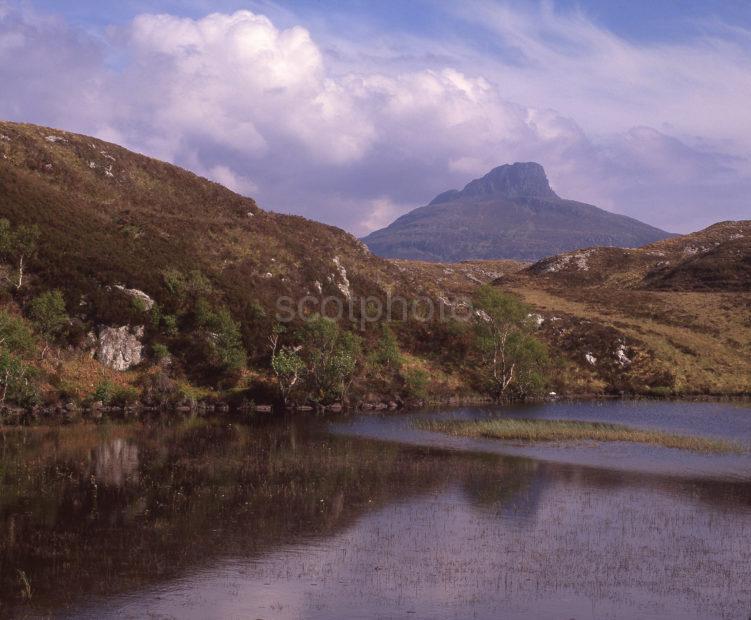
<point>238,81</point>
<point>659,132</point>
<point>236,182</point>
<point>382,212</point>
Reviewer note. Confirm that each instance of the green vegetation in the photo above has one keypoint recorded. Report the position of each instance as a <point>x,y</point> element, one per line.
<point>287,365</point>
<point>109,393</point>
<point>510,429</point>
<point>160,351</point>
<point>16,334</point>
<point>330,355</point>
<point>216,266</point>
<point>513,361</point>
<point>18,245</point>
<point>223,335</point>
<point>16,380</point>
<point>386,354</point>
<point>48,313</point>
<point>416,383</point>
<point>18,377</point>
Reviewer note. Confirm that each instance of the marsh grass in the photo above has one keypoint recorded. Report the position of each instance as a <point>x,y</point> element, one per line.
<point>571,430</point>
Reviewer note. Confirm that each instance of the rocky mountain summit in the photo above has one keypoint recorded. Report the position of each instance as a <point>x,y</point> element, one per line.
<point>510,213</point>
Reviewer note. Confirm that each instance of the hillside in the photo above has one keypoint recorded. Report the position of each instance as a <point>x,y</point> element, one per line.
<point>717,258</point>
<point>113,223</point>
<point>108,216</point>
<point>510,213</point>
<point>679,309</point>
<point>150,283</point>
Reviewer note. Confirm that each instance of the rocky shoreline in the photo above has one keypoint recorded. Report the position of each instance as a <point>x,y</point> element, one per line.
<point>71,413</point>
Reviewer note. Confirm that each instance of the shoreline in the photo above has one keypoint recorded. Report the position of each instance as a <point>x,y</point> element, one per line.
<point>71,414</point>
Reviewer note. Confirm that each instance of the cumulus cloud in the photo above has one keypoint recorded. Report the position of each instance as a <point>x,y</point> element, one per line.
<point>654,132</point>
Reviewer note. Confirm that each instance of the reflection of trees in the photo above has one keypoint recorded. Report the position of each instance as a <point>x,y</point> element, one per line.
<point>83,514</point>
<point>513,488</point>
<point>106,516</point>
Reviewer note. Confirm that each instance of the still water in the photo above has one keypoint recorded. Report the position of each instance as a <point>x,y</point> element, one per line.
<point>365,517</point>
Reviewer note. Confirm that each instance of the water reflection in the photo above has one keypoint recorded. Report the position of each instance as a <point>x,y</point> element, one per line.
<point>207,519</point>
<point>115,462</point>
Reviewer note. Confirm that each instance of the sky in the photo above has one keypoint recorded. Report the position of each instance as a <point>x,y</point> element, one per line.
<point>355,112</point>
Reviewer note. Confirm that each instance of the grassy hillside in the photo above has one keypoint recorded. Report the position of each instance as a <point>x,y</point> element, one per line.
<point>682,307</point>
<point>114,226</point>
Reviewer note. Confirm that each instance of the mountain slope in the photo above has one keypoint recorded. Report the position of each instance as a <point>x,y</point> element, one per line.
<point>717,258</point>
<point>109,216</point>
<point>509,213</point>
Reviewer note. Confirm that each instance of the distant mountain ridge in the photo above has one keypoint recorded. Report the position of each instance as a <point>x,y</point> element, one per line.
<point>510,213</point>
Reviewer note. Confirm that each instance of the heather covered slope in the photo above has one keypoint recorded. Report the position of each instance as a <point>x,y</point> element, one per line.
<point>717,258</point>
<point>510,213</point>
<point>108,215</point>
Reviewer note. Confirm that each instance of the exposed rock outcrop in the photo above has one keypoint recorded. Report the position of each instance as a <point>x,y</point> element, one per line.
<point>120,348</point>
<point>140,296</point>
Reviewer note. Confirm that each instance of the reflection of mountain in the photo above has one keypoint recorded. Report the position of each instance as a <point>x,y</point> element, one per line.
<point>239,491</point>
<point>510,490</point>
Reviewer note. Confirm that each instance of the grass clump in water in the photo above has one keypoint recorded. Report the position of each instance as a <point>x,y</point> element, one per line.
<point>511,429</point>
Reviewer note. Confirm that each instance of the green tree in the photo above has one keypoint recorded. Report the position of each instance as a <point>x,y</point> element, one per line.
<point>48,313</point>
<point>15,334</point>
<point>512,359</point>
<point>186,289</point>
<point>286,363</point>
<point>224,336</point>
<point>18,246</point>
<point>16,380</point>
<point>330,355</point>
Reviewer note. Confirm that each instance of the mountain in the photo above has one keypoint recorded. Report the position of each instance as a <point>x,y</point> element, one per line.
<point>511,212</point>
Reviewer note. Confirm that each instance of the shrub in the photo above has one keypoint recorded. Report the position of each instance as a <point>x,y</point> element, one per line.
<point>225,337</point>
<point>16,380</point>
<point>103,392</point>
<point>160,389</point>
<point>125,396</point>
<point>330,355</point>
<point>386,354</point>
<point>170,325</point>
<point>415,383</point>
<point>15,334</point>
<point>160,351</point>
<point>48,313</point>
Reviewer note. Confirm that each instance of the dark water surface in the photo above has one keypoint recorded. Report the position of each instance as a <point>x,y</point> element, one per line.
<point>365,517</point>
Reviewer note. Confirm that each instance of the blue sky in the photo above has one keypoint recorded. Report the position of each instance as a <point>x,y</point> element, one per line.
<point>354,112</point>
